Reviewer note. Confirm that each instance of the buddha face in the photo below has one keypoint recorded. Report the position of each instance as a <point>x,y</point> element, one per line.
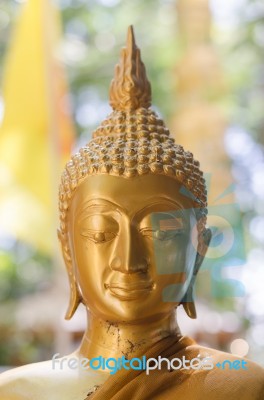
<point>133,245</point>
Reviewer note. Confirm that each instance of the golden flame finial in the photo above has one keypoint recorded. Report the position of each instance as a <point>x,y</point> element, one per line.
<point>130,88</point>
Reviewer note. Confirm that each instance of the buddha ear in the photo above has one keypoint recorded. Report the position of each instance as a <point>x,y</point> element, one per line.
<point>188,300</point>
<point>75,297</point>
<point>203,244</point>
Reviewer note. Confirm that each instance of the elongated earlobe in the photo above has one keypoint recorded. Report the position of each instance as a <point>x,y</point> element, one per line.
<point>75,296</point>
<point>75,300</point>
<point>188,300</point>
<point>188,303</point>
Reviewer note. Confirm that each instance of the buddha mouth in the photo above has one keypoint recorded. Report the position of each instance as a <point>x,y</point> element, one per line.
<point>130,291</point>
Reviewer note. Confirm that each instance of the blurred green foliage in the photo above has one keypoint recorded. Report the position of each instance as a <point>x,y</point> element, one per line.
<point>23,271</point>
<point>243,59</point>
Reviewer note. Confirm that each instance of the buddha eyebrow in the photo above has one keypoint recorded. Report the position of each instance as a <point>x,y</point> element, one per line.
<point>171,224</point>
<point>90,206</point>
<point>177,212</point>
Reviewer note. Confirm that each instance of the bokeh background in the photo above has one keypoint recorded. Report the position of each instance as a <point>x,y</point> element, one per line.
<point>205,60</point>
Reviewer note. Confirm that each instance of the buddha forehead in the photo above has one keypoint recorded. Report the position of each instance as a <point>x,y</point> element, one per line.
<point>131,195</point>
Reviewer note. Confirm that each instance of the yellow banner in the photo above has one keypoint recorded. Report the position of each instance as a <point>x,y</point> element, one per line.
<point>36,135</point>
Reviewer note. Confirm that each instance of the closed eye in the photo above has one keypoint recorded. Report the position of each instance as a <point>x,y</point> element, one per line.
<point>162,234</point>
<point>98,236</point>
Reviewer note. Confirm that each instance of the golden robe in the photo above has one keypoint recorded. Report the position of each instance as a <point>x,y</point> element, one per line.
<point>185,384</point>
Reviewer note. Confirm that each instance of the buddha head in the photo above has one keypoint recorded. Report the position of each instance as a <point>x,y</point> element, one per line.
<point>132,210</point>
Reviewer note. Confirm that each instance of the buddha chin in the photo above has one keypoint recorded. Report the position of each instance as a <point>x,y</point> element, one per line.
<point>133,236</point>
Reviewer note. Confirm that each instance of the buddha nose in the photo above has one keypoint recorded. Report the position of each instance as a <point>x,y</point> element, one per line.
<point>128,254</point>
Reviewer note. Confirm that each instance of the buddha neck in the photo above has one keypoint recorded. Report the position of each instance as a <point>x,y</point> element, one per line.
<point>106,339</point>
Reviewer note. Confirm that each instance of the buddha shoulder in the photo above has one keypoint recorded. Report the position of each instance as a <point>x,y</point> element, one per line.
<point>44,381</point>
<point>231,377</point>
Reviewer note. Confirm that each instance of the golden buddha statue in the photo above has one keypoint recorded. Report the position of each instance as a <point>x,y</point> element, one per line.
<point>132,230</point>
